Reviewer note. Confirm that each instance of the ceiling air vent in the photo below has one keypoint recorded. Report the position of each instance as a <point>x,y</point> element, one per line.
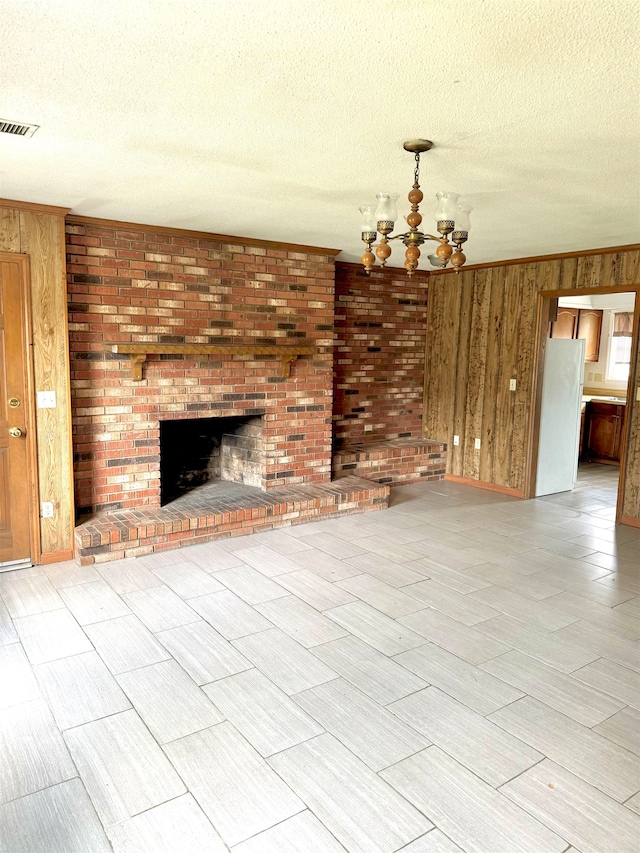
<point>17,128</point>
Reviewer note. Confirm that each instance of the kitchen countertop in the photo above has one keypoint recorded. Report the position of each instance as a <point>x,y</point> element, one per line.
<point>602,398</point>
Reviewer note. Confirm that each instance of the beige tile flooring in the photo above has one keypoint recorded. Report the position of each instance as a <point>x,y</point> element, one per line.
<point>460,672</point>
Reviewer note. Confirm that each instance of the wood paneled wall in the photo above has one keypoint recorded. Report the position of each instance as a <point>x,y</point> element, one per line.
<point>38,232</point>
<point>481,332</point>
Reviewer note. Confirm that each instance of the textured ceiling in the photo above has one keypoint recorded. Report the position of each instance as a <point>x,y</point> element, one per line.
<point>276,119</point>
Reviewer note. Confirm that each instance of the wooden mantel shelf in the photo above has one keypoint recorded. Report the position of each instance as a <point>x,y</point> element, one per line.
<point>139,352</point>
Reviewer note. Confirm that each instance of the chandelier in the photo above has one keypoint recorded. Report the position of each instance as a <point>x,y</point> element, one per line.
<point>451,218</point>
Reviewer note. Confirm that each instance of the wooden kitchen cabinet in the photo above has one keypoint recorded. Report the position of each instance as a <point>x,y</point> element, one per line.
<point>583,323</point>
<point>565,326</point>
<point>590,329</point>
<point>603,431</point>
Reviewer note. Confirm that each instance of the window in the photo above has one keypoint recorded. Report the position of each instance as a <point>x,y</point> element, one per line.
<point>620,348</point>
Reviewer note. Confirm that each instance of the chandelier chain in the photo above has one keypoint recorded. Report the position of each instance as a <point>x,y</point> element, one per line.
<point>416,173</point>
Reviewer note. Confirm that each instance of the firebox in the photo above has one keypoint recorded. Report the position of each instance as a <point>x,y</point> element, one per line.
<point>197,451</point>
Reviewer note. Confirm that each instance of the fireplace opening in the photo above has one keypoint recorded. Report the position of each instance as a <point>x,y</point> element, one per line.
<point>198,451</point>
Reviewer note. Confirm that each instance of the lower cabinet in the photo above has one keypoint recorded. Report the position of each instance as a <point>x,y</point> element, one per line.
<point>603,430</point>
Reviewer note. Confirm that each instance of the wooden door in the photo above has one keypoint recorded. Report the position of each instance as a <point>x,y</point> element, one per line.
<point>17,437</point>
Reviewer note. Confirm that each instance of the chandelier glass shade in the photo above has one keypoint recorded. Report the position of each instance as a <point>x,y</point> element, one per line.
<point>452,221</point>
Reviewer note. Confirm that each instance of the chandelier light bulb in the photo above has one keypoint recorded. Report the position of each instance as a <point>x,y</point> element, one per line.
<point>368,227</point>
<point>386,211</point>
<point>447,208</point>
<point>463,224</point>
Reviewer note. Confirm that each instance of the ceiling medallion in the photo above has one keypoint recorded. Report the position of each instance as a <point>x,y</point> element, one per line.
<point>451,218</point>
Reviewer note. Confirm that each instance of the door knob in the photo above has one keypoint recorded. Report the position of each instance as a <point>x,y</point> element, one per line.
<point>16,432</point>
<point>14,402</point>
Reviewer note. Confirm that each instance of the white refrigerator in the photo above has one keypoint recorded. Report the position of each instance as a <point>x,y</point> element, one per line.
<point>559,444</point>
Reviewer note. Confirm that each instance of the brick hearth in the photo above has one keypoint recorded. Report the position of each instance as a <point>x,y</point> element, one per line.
<point>398,460</point>
<point>219,511</point>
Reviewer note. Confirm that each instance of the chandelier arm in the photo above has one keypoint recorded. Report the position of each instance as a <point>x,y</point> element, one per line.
<point>408,233</point>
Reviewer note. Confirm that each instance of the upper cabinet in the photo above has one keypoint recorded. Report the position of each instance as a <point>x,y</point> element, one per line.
<point>590,329</point>
<point>585,323</point>
<point>566,324</point>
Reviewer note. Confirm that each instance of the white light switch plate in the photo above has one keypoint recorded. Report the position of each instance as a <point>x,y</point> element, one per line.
<point>512,385</point>
<point>46,399</point>
<point>477,444</point>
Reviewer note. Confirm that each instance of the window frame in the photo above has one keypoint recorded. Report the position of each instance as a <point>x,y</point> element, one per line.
<point>610,374</point>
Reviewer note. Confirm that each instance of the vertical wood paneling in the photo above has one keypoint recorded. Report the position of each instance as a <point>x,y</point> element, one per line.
<point>494,339</point>
<point>9,230</point>
<point>448,354</point>
<point>548,275</point>
<point>630,274</point>
<point>568,274</point>
<point>631,496</point>
<point>503,473</point>
<point>455,455</point>
<point>477,371</point>
<point>630,269</point>
<point>487,434</point>
<point>589,271</point>
<point>42,238</point>
<point>610,268</point>
<point>431,415</point>
<point>523,371</point>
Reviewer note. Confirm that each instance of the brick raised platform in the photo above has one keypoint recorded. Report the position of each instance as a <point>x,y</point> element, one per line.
<point>398,460</point>
<point>214,512</point>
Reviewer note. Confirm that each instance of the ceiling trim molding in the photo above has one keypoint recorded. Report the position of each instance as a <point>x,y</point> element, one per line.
<point>74,219</point>
<point>536,259</point>
<point>34,208</point>
<point>570,292</point>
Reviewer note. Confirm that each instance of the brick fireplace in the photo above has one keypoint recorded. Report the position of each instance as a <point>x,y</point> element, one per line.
<point>178,294</point>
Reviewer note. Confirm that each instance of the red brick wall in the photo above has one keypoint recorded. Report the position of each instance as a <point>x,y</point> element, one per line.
<point>139,286</point>
<point>380,324</point>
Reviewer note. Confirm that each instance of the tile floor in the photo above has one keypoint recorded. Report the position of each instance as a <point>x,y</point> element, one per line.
<point>460,672</point>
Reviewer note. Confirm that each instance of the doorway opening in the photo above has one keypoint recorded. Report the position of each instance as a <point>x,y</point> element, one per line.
<point>587,355</point>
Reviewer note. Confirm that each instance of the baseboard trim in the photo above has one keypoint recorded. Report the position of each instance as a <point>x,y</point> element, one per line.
<point>489,487</point>
<point>55,557</point>
<point>630,520</point>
